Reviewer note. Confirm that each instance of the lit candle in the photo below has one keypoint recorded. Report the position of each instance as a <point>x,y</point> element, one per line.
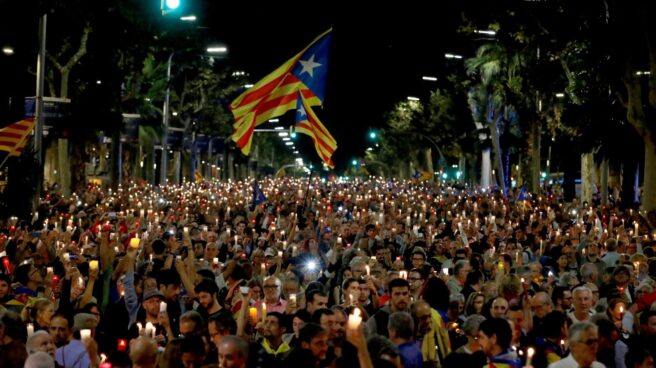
<point>162,307</point>
<point>215,261</point>
<point>252,312</point>
<point>236,240</point>
<point>139,328</point>
<point>93,265</point>
<point>529,356</point>
<point>30,329</point>
<point>150,330</point>
<point>134,243</point>
<point>354,320</point>
<point>85,334</point>
<point>637,227</point>
<point>264,312</point>
<point>368,270</point>
<point>403,274</point>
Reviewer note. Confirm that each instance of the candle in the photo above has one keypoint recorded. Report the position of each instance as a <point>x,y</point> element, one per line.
<point>141,213</point>
<point>50,270</point>
<point>280,253</point>
<point>264,312</point>
<point>134,243</point>
<point>637,227</point>
<point>122,345</point>
<point>252,312</point>
<point>30,329</point>
<point>339,240</point>
<point>263,267</point>
<point>139,327</point>
<point>562,345</point>
<point>162,307</point>
<point>368,270</point>
<point>529,356</point>
<point>403,274</point>
<point>407,220</point>
<point>93,265</point>
<point>354,320</point>
<point>150,330</point>
<point>85,334</point>
<point>292,298</point>
<point>541,253</point>
<point>215,261</point>
<point>236,240</point>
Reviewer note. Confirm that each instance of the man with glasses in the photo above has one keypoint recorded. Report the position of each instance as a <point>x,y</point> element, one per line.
<point>431,335</point>
<point>272,290</point>
<point>583,344</point>
<point>457,281</point>
<point>540,306</point>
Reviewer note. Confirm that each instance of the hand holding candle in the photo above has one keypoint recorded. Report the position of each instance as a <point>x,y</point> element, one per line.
<point>354,320</point>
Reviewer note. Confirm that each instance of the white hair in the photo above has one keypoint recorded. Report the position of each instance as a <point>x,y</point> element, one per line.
<point>39,360</point>
<point>29,344</point>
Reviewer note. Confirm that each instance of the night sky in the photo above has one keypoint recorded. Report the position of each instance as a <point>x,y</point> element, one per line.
<point>378,55</point>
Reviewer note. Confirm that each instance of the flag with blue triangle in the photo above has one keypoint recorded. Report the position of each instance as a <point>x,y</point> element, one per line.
<point>258,196</point>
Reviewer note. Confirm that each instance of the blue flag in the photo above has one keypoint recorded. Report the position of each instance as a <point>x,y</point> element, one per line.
<point>258,196</point>
<point>523,194</point>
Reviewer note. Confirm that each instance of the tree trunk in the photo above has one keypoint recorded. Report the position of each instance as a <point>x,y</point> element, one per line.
<point>587,176</point>
<point>64,166</point>
<point>649,184</point>
<point>486,168</point>
<point>429,161</point>
<point>499,157</point>
<point>604,168</point>
<point>534,159</point>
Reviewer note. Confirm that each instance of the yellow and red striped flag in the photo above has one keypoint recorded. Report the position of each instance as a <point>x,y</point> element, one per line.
<point>308,123</point>
<point>15,136</point>
<point>276,93</point>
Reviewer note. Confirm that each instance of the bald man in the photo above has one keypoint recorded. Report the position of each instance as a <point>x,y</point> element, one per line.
<point>143,352</point>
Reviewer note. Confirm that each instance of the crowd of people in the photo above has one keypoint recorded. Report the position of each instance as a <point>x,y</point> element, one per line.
<point>325,273</point>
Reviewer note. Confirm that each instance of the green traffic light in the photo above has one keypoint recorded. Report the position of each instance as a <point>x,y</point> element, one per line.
<point>293,135</point>
<point>354,162</point>
<point>372,135</point>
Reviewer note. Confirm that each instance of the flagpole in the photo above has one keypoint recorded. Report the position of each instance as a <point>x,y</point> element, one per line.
<point>307,190</point>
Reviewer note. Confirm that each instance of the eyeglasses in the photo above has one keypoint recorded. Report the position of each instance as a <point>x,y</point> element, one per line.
<point>270,286</point>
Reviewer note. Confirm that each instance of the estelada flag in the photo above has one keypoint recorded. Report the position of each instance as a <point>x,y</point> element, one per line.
<point>309,124</point>
<point>277,93</point>
<point>14,137</point>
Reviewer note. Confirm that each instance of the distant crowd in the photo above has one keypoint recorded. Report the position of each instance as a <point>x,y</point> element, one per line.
<point>325,273</point>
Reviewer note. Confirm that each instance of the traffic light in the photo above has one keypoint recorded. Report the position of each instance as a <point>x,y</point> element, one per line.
<point>168,6</point>
<point>372,135</point>
<point>354,162</point>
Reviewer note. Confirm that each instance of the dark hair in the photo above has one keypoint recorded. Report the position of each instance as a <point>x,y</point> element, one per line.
<point>316,316</point>
<point>436,293</point>
<point>635,356</point>
<point>282,321</point>
<point>168,277</point>
<point>312,293</point>
<point>553,323</point>
<point>605,327</point>
<point>303,315</point>
<point>207,286</point>
<point>238,273</point>
<point>398,283</point>
<point>224,321</point>
<point>499,327</point>
<point>644,316</point>
<point>309,331</point>
<point>206,274</point>
<point>193,344</point>
<point>158,246</point>
<point>558,293</point>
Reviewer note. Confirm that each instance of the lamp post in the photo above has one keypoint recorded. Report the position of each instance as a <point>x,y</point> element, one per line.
<point>167,106</point>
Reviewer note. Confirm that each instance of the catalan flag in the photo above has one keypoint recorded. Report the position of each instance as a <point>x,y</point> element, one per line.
<point>275,94</point>
<point>422,175</point>
<point>307,123</point>
<point>14,137</point>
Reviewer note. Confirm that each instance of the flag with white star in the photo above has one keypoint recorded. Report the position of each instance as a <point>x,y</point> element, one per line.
<point>276,93</point>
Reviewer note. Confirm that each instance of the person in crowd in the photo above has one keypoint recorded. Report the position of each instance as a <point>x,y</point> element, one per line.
<point>583,343</point>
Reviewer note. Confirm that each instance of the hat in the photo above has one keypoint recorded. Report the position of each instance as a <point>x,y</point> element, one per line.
<point>24,290</point>
<point>83,321</point>
<point>151,294</point>
<point>270,252</point>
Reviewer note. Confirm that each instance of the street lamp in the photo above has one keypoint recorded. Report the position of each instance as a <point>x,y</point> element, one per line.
<point>167,101</point>
<point>8,50</point>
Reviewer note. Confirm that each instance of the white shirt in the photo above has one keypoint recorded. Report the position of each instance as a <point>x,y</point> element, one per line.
<point>569,362</point>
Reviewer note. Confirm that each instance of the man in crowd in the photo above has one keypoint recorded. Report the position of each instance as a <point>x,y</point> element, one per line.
<point>399,291</point>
